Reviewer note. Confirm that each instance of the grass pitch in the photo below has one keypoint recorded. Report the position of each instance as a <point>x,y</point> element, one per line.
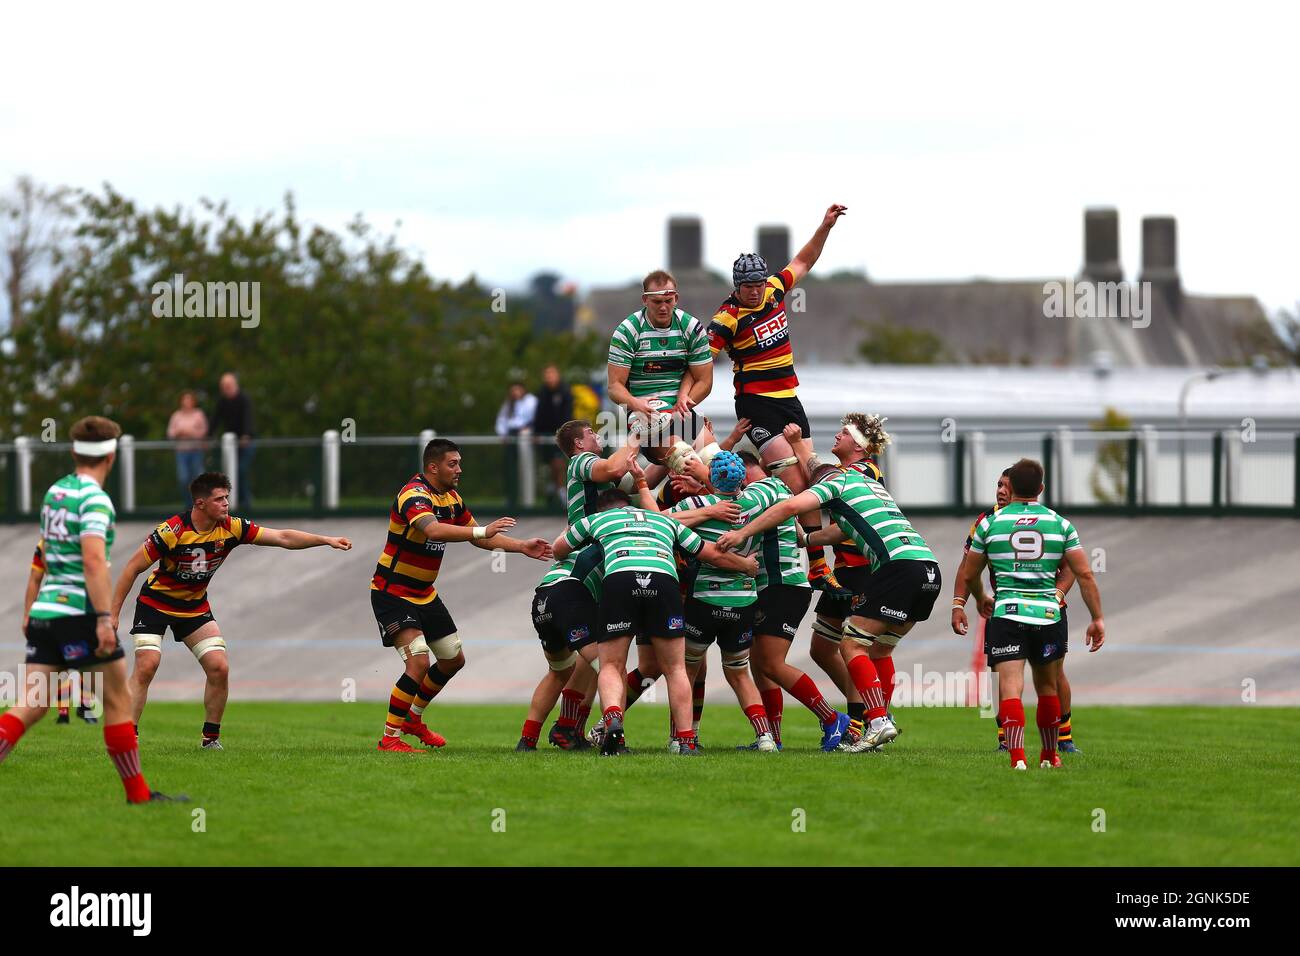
<point>301,784</point>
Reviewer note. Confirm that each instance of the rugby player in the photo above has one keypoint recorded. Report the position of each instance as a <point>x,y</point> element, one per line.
<point>960,626</point>
<point>859,437</point>
<point>902,587</point>
<point>660,363</point>
<point>1025,543</point>
<point>427,513</point>
<point>86,704</point>
<point>783,599</point>
<point>189,548</point>
<point>751,325</point>
<point>69,624</point>
<point>641,596</point>
<point>721,604</point>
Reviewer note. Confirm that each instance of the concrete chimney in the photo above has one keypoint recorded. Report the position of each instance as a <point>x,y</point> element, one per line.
<point>774,246</point>
<point>1101,245</point>
<point>1160,258</point>
<point>685,244</point>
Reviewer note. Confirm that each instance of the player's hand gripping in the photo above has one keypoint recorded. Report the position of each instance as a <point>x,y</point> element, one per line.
<point>683,407</point>
<point>729,541</point>
<point>727,511</point>
<point>737,433</point>
<point>833,213</point>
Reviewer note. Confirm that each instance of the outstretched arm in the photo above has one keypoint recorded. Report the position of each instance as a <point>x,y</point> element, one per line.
<point>801,264</point>
<point>139,563</point>
<point>538,548</point>
<point>293,540</point>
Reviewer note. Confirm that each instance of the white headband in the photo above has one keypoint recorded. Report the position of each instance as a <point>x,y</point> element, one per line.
<point>857,435</point>
<point>95,449</point>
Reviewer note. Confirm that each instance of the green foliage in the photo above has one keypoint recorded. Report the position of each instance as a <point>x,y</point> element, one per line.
<point>1109,478</point>
<point>890,344</point>
<point>351,326</point>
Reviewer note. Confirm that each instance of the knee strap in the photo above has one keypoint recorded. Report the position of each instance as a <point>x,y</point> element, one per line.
<point>890,639</point>
<point>446,648</point>
<point>828,631</point>
<point>859,636</point>
<point>563,663</point>
<point>417,646</point>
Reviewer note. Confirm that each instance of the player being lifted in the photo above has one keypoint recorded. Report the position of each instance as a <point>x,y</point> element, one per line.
<point>901,590</point>
<point>189,548</point>
<point>960,626</point>
<point>1025,542</point>
<point>752,326</point>
<point>427,513</point>
<point>69,624</point>
<point>783,599</point>
<point>641,596</point>
<point>660,367</point>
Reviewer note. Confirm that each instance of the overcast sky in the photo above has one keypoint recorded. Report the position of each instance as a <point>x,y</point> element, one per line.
<point>506,138</point>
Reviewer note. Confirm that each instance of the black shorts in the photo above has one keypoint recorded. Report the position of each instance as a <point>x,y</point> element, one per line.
<point>854,578</point>
<point>565,616</point>
<point>769,416</point>
<point>150,620</point>
<point>780,610</point>
<point>66,642</point>
<point>643,604</point>
<point>731,627</point>
<point>394,614</point>
<point>1007,640</point>
<point>901,591</point>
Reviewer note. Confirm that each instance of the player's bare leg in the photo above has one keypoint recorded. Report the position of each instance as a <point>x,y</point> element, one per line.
<point>148,655</point>
<point>635,683</point>
<point>671,654</point>
<point>779,450</point>
<point>448,661</point>
<point>735,668</point>
<point>207,645</point>
<point>769,654</point>
<point>545,695</point>
<point>1048,717</point>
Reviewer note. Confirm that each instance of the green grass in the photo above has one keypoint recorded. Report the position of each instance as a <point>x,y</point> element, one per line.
<point>301,784</point>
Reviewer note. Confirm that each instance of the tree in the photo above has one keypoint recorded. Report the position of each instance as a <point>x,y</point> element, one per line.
<point>33,221</point>
<point>1109,478</point>
<point>890,344</point>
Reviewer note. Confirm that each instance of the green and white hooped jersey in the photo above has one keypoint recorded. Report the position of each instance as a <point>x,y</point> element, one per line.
<point>1025,544</point>
<point>584,566</point>
<point>74,508</point>
<point>582,488</point>
<point>658,358</point>
<point>779,560</point>
<point>867,513</point>
<point>714,585</point>
<point>635,540</point>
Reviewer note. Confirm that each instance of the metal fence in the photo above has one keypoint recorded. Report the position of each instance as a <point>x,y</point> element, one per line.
<point>1146,471</point>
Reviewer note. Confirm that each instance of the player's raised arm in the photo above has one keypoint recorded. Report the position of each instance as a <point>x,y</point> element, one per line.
<point>140,562</point>
<point>616,465</point>
<point>293,540</point>
<point>807,256</point>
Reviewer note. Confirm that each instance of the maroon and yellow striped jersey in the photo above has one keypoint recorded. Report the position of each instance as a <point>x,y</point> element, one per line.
<point>847,554</point>
<point>187,559</point>
<point>38,559</point>
<point>409,563</point>
<point>758,341</point>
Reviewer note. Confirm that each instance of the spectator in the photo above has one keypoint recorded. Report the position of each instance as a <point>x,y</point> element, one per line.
<point>187,427</point>
<point>554,408</point>
<point>234,413</point>
<point>515,418</point>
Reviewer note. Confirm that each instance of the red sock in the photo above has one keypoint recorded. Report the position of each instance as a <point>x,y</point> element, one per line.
<point>584,712</point>
<point>885,668</point>
<point>758,719</point>
<point>610,713</point>
<point>687,734</point>
<point>1049,722</point>
<point>1012,714</point>
<point>532,730</point>
<point>570,703</point>
<point>806,692</point>
<point>774,704</point>
<point>125,754</point>
<point>867,681</point>
<point>11,731</point>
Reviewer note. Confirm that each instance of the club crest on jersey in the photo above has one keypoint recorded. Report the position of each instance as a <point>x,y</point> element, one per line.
<point>541,605</point>
<point>929,575</point>
<point>1026,521</point>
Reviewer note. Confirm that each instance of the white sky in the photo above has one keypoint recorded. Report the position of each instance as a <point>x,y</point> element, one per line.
<point>507,138</point>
